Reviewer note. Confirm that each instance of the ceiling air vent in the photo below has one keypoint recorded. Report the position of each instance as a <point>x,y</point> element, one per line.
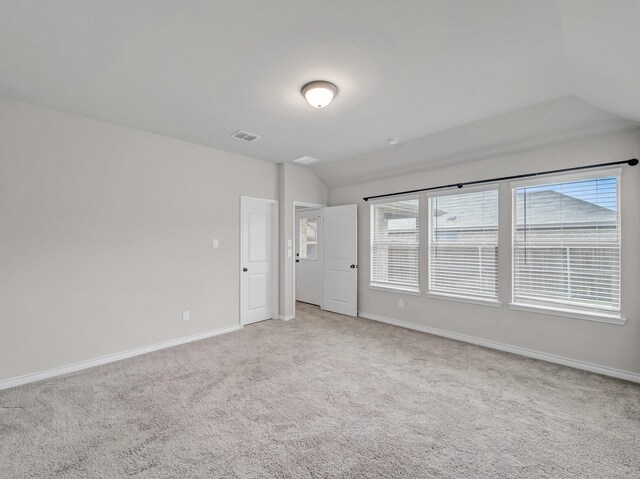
<point>306,160</point>
<point>245,136</point>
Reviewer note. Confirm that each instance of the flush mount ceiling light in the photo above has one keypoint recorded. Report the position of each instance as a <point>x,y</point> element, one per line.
<point>319,93</point>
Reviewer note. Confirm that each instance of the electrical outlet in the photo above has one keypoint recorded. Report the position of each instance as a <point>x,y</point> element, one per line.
<point>186,315</point>
<point>401,303</point>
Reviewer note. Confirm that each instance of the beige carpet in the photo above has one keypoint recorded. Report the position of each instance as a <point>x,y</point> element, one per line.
<point>323,396</point>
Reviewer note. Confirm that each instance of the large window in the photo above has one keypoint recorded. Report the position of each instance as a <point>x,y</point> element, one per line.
<point>395,244</point>
<point>566,245</point>
<point>463,244</point>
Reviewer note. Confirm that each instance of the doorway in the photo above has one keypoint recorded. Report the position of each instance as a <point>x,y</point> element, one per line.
<point>308,256</point>
<point>258,259</point>
<point>326,252</point>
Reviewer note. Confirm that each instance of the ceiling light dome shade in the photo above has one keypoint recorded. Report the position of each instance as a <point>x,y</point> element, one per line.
<point>319,93</point>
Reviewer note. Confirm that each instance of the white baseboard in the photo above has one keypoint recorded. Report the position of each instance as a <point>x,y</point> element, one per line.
<point>286,317</point>
<point>90,363</point>
<point>552,358</point>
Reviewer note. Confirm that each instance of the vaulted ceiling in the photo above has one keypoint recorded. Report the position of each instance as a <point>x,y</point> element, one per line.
<point>200,70</point>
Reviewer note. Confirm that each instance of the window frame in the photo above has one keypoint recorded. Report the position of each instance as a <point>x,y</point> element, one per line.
<point>563,308</point>
<point>404,289</point>
<point>464,298</point>
<point>299,238</point>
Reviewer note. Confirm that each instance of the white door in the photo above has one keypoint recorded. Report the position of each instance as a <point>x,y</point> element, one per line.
<point>341,259</point>
<point>256,236</point>
<point>309,256</point>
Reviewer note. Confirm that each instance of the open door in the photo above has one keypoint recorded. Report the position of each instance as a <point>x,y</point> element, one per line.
<point>341,259</point>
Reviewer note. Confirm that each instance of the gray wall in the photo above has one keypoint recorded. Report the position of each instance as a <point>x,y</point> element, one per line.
<point>105,237</point>
<point>598,343</point>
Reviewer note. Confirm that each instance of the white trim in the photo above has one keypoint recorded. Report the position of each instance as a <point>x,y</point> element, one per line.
<point>286,317</point>
<point>394,289</point>
<point>275,256</point>
<point>553,178</point>
<point>110,358</point>
<point>307,206</point>
<point>559,178</point>
<point>530,353</point>
<point>464,299</point>
<point>391,287</point>
<point>455,190</point>
<point>568,313</point>
<point>476,189</point>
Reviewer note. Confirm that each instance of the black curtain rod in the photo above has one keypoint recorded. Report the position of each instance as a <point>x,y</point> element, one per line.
<point>632,162</point>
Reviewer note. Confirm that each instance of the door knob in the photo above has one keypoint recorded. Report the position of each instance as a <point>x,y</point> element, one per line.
<point>297,261</point>
<point>245,269</point>
<point>352,266</point>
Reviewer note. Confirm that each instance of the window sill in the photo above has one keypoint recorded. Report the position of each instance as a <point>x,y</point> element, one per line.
<point>394,289</point>
<point>568,313</point>
<point>465,299</point>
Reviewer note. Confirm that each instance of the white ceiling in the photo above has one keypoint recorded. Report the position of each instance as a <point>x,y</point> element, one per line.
<point>200,70</point>
<point>557,121</point>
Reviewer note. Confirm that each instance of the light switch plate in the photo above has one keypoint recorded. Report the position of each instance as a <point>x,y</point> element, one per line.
<point>214,243</point>
<point>289,253</point>
<point>289,243</point>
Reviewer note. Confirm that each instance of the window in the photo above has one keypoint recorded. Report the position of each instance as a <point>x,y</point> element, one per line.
<point>463,244</point>
<point>309,238</point>
<point>566,245</point>
<point>395,244</point>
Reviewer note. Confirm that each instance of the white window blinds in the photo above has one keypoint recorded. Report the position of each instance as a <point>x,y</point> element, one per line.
<point>463,244</point>
<point>566,245</point>
<point>395,244</point>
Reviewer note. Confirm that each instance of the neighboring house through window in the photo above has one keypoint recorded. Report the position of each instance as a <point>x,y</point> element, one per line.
<point>463,244</point>
<point>566,245</point>
<point>395,244</point>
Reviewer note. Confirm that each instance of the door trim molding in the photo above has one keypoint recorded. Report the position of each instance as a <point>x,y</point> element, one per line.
<point>303,204</point>
<point>275,284</point>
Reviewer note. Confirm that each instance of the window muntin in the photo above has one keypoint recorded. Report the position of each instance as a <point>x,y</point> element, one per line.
<point>395,244</point>
<point>566,245</point>
<point>463,244</point>
<point>308,238</point>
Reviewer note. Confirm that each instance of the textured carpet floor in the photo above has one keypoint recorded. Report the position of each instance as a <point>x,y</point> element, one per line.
<point>323,396</point>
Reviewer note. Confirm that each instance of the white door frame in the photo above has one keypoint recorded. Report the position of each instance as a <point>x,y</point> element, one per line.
<point>275,286</point>
<point>303,204</point>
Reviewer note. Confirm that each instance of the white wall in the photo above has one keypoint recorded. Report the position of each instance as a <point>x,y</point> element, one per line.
<point>297,183</point>
<point>105,237</point>
<point>608,345</point>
